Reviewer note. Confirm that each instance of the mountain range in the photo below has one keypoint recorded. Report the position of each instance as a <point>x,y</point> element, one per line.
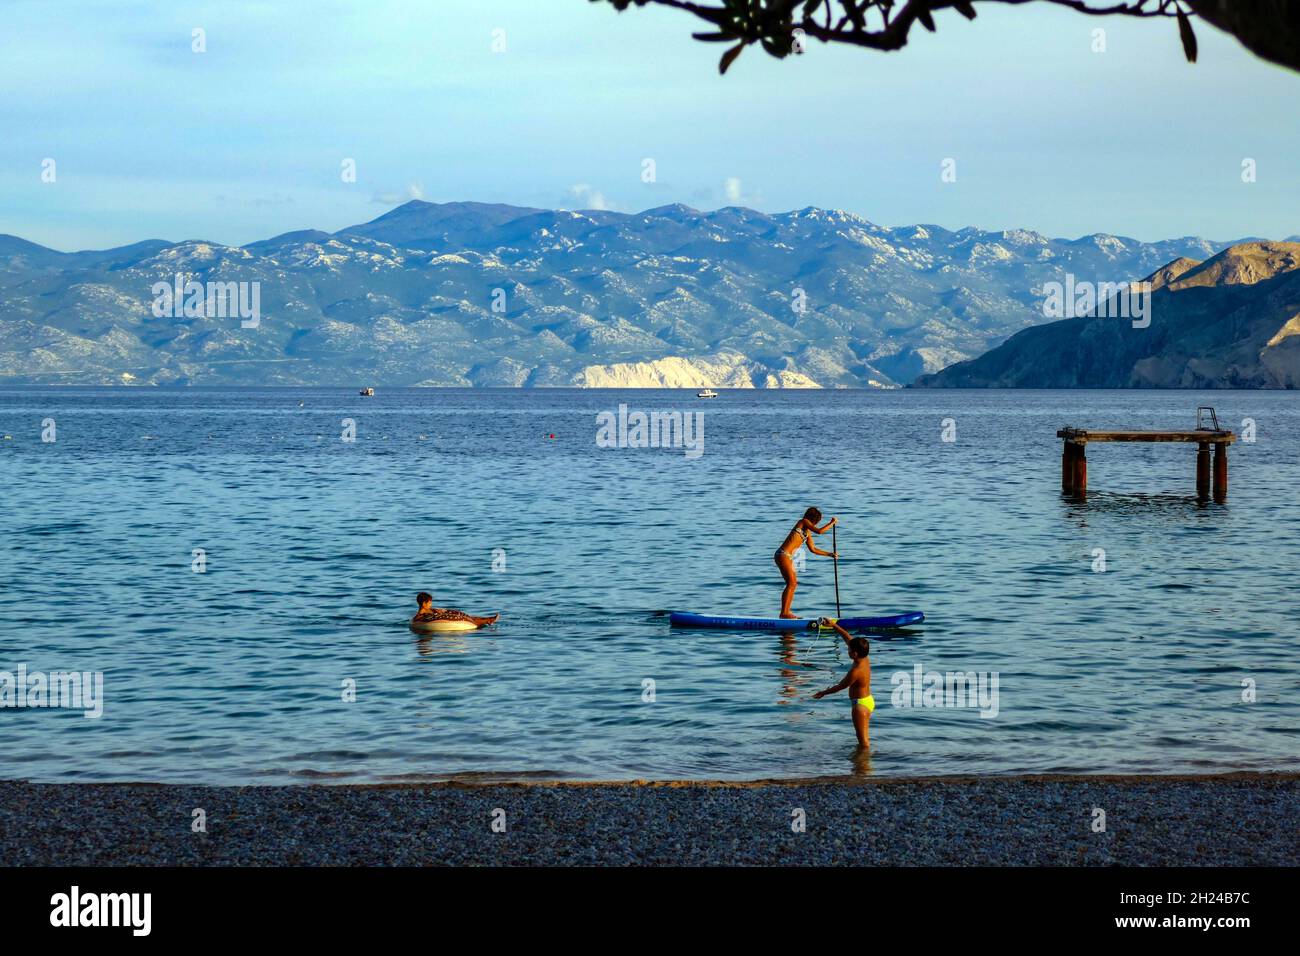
<point>481,294</point>
<point>1232,321</point>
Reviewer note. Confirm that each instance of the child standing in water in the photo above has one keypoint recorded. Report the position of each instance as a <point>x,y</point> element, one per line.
<point>800,534</point>
<point>857,680</point>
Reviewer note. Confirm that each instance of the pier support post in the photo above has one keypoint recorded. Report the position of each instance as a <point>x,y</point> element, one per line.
<point>1203,470</point>
<point>1220,472</point>
<point>1074,455</point>
<point>1080,470</point>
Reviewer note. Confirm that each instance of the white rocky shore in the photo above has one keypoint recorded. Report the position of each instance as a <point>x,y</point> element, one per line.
<point>723,370</point>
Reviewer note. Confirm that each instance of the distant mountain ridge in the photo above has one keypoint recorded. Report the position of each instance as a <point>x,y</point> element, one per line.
<point>486,294</point>
<point>1232,321</point>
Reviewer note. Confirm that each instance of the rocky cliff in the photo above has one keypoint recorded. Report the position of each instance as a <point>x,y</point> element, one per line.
<point>1231,321</point>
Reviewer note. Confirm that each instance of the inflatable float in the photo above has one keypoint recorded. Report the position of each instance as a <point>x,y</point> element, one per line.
<point>434,627</point>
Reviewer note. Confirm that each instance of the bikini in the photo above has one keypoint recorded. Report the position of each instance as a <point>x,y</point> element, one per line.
<point>868,702</point>
<point>803,537</point>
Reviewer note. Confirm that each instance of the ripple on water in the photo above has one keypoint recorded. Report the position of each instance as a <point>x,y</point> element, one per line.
<point>288,659</point>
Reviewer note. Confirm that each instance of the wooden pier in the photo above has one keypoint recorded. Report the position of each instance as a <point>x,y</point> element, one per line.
<point>1074,459</point>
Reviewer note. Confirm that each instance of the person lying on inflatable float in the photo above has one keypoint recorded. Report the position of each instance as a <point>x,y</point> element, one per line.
<point>430,618</point>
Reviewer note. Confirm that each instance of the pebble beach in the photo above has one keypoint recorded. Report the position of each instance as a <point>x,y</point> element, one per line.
<point>1225,820</point>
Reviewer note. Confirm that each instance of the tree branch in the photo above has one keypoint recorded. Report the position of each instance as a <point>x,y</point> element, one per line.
<point>771,23</point>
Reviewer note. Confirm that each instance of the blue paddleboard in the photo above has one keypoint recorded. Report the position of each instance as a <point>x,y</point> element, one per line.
<point>686,619</point>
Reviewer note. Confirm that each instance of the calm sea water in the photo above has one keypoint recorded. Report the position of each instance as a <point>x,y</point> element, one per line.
<point>315,548</point>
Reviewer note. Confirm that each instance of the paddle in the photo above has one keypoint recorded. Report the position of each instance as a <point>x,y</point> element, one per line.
<point>836,551</point>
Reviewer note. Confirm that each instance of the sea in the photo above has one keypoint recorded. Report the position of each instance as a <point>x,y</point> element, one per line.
<point>230,573</point>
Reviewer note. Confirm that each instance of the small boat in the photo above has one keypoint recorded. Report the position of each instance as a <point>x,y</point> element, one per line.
<point>707,393</point>
<point>367,391</point>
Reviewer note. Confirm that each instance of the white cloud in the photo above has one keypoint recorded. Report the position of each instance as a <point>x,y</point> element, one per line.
<point>413,191</point>
<point>731,189</point>
<point>586,196</point>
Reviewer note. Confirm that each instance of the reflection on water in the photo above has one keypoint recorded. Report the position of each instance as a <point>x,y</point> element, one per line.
<point>861,761</point>
<point>315,549</point>
<point>1162,507</point>
<point>446,642</point>
<point>794,674</point>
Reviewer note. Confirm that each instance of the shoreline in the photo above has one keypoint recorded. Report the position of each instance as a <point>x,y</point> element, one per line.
<point>484,779</point>
<point>1234,819</point>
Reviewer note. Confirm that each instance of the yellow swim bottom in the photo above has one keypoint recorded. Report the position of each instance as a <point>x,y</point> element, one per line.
<point>868,702</point>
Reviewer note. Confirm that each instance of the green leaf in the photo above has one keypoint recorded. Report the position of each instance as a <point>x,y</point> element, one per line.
<point>1188,37</point>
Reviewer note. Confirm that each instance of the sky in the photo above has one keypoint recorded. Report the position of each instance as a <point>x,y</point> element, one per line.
<point>152,140</point>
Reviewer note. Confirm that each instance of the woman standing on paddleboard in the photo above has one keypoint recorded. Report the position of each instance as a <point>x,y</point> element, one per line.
<point>800,534</point>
